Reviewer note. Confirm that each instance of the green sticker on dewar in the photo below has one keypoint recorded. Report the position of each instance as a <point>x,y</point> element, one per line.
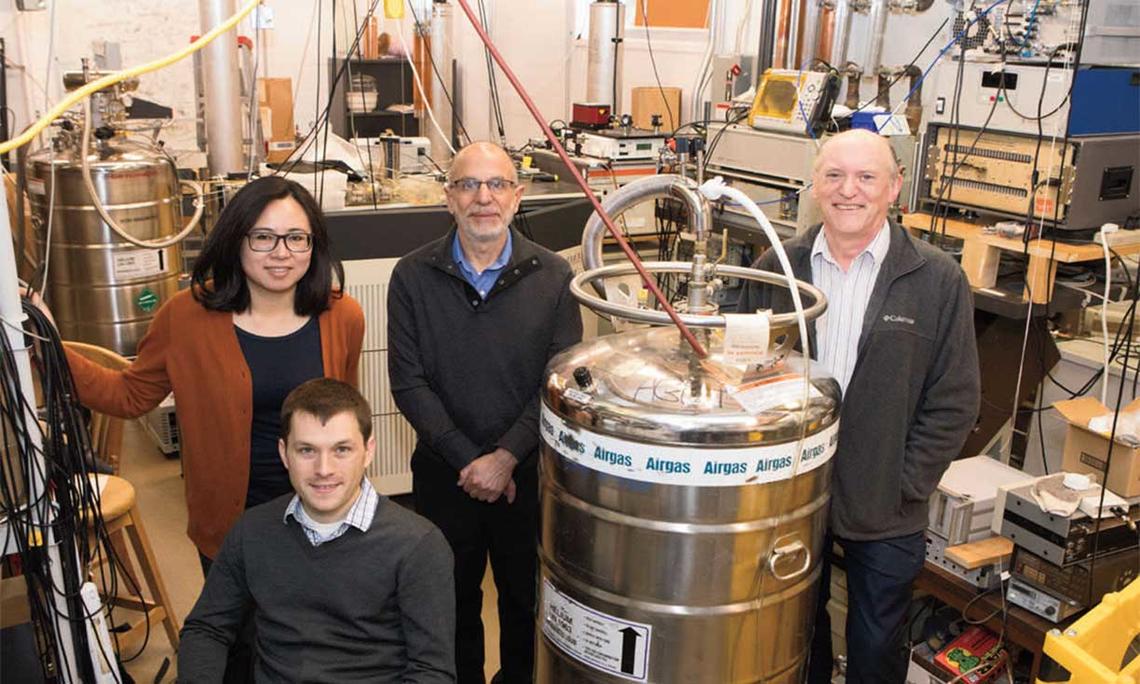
<point>147,300</point>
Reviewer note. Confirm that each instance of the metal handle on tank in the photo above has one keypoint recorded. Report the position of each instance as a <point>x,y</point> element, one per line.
<point>789,549</point>
<point>631,313</point>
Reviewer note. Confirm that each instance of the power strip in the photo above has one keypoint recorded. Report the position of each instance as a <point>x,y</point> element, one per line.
<point>99,637</point>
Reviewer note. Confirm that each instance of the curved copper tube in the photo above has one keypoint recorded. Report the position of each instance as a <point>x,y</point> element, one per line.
<point>854,74</point>
<point>883,96</point>
<point>914,104</point>
<point>826,32</point>
<point>783,27</point>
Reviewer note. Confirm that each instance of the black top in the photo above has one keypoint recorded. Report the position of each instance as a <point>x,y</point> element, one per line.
<point>276,366</point>
<point>375,607</point>
<point>465,371</point>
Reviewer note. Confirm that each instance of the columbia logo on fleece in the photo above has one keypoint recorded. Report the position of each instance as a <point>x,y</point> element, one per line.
<point>891,318</point>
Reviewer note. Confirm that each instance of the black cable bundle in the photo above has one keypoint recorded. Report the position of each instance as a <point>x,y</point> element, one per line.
<point>65,509</point>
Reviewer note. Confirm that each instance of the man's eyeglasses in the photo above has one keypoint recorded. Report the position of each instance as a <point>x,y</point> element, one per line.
<point>470,186</point>
<point>266,241</point>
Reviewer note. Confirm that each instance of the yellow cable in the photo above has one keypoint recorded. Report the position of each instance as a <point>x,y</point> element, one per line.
<point>110,79</point>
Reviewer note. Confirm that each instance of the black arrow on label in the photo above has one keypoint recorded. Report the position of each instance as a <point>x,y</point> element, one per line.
<point>629,637</point>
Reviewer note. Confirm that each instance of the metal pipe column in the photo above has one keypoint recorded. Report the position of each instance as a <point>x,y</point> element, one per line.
<point>811,33</point>
<point>842,34</point>
<point>604,58</point>
<point>877,16</point>
<point>791,57</point>
<point>443,83</point>
<point>768,32</point>
<point>223,92</point>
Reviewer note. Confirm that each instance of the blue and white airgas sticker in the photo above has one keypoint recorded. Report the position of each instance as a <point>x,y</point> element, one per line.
<point>661,464</point>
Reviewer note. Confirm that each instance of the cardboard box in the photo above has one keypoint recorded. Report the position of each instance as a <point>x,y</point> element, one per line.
<point>1087,451</point>
<point>275,103</point>
<point>648,100</point>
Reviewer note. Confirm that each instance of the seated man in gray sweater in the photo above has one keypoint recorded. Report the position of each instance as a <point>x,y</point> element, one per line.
<point>347,586</point>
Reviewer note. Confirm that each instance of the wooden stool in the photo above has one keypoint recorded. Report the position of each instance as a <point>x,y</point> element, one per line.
<point>124,524</point>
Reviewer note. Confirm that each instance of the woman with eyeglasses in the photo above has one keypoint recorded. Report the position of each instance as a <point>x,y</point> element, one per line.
<point>264,313</point>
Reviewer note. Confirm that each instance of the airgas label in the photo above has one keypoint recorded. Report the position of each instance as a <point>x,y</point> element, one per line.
<point>603,642</point>
<point>686,465</point>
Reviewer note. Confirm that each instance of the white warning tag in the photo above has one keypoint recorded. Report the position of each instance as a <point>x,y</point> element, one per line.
<point>759,396</point>
<point>138,263</point>
<point>603,642</point>
<point>746,338</point>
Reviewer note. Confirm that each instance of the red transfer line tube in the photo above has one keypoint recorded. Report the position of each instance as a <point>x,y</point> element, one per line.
<point>629,253</point>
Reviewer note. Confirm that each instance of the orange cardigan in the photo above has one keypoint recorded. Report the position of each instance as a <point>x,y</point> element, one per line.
<point>194,352</point>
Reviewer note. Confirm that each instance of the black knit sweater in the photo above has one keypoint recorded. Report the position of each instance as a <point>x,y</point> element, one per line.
<point>465,371</point>
<point>375,606</point>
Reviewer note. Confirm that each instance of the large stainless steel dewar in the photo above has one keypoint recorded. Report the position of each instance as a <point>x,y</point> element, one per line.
<point>101,288</point>
<point>683,500</point>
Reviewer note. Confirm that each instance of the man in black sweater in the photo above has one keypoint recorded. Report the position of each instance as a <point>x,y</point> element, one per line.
<point>472,320</point>
<point>346,585</point>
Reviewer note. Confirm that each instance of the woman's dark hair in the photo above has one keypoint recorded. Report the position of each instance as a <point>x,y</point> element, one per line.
<point>218,282</point>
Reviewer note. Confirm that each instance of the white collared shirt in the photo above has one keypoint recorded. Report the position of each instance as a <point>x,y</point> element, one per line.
<point>847,292</point>
<point>359,516</point>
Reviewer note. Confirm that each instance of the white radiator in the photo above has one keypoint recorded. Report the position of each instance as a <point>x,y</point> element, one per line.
<point>391,471</point>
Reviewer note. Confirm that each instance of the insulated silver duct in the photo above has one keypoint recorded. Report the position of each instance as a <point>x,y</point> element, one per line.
<point>652,187</point>
<point>223,92</point>
<point>842,35</point>
<point>443,82</point>
<point>606,50</point>
<point>877,16</point>
<point>791,60</point>
<point>811,32</point>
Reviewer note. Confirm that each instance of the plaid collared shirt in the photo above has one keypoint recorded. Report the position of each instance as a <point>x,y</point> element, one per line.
<point>359,515</point>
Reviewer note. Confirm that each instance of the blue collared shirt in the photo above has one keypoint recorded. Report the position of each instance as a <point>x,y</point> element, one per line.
<point>359,516</point>
<point>482,282</point>
<point>847,292</point>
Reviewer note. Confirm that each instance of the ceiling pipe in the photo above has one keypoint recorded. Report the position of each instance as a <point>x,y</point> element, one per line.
<point>223,93</point>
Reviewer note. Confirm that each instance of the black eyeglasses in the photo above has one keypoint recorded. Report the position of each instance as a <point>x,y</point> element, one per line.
<point>470,186</point>
<point>267,240</point>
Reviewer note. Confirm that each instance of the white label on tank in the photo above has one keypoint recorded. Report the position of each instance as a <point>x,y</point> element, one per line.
<point>763,395</point>
<point>686,465</point>
<point>603,642</point>
<point>746,337</point>
<point>138,263</point>
<point>36,186</point>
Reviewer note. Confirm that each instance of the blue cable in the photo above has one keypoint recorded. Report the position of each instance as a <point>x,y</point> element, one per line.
<point>946,49</point>
<point>1030,26</point>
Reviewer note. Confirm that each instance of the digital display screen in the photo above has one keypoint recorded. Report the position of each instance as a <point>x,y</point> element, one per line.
<point>999,79</point>
<point>778,99</point>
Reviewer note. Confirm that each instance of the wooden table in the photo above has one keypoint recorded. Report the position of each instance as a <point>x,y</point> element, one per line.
<point>1022,627</point>
<point>981,253</point>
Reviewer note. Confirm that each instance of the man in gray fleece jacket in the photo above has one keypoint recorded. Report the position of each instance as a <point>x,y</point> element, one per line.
<point>346,585</point>
<point>898,335</point>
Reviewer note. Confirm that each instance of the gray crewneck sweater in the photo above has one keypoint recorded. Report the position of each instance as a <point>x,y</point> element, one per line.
<point>375,606</point>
